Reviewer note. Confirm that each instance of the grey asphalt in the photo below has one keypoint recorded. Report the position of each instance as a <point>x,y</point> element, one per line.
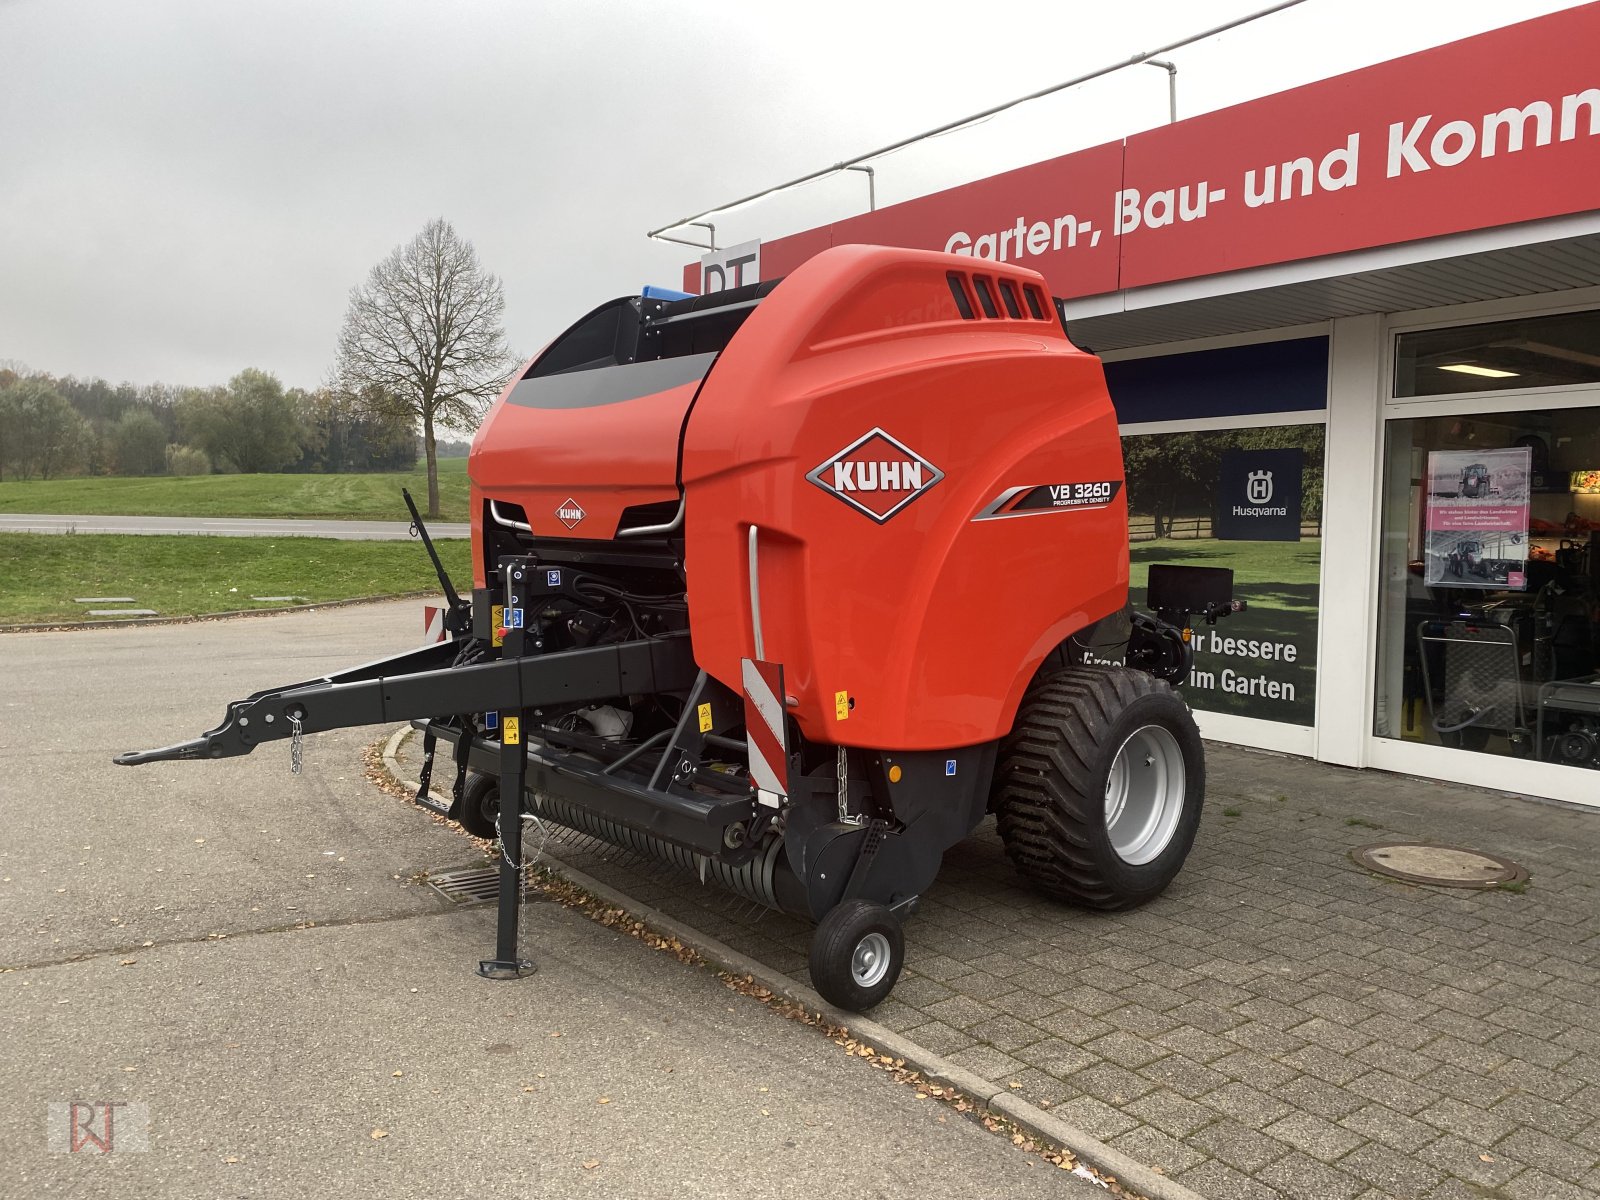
<point>301,991</point>
<point>351,531</point>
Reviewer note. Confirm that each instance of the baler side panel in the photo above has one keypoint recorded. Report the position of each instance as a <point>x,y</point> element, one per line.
<point>930,622</point>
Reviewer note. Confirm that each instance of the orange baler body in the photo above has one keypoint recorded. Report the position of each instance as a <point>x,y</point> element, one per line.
<point>936,497</point>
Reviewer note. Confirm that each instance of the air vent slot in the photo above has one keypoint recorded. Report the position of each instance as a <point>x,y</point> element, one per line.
<point>1035,304</point>
<point>1008,294</point>
<point>985,297</point>
<point>958,289</point>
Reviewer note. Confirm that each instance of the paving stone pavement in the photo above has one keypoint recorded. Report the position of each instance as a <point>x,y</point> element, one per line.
<point>1280,1023</point>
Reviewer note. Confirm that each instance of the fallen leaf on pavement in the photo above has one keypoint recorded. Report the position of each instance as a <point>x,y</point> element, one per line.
<point>590,1164</point>
<point>396,1074</point>
<point>378,1134</point>
<point>605,1099</point>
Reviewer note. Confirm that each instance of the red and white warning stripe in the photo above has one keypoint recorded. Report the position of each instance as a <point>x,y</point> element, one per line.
<point>764,730</point>
<point>432,623</point>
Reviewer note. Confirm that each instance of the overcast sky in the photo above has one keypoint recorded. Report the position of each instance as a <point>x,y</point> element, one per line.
<point>190,187</point>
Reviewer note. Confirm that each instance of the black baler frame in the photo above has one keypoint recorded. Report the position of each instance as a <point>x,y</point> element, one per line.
<point>864,825</point>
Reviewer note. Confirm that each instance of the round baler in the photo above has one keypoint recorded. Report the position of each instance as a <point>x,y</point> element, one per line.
<point>794,584</point>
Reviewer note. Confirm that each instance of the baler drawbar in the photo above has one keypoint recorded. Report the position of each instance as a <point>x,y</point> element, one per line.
<point>792,585</point>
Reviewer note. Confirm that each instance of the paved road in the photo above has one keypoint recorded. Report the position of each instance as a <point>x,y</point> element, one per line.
<point>341,1000</point>
<point>354,531</point>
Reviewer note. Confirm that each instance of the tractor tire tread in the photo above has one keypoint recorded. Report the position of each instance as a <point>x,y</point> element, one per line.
<point>1050,780</point>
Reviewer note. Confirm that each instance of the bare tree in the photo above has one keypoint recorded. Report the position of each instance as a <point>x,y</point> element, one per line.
<point>424,331</point>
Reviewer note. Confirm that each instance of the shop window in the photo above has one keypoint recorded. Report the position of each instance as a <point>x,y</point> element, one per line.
<point>1554,351</point>
<point>1489,622</point>
<point>1250,500</point>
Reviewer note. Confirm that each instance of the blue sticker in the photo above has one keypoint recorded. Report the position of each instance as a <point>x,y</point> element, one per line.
<point>949,766</point>
<point>552,578</point>
<point>491,720</point>
<point>516,619</point>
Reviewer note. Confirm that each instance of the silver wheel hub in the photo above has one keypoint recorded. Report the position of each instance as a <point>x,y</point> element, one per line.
<point>870,961</point>
<point>1145,793</point>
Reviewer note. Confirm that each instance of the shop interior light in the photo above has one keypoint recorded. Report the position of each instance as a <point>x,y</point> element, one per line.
<point>1474,369</point>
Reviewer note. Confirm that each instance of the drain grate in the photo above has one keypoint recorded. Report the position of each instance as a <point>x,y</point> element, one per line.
<point>1441,866</point>
<point>473,885</point>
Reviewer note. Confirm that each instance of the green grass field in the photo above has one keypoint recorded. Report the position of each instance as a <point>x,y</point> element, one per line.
<point>189,576</point>
<point>353,497</point>
<point>1288,572</point>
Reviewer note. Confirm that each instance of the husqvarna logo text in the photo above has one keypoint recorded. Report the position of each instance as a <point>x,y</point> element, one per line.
<point>877,475</point>
<point>1258,487</point>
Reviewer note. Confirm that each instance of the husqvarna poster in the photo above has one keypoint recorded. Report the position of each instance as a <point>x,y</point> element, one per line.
<point>1477,519</point>
<point>1258,496</point>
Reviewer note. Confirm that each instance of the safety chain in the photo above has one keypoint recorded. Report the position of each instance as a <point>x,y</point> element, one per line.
<point>538,851</point>
<point>522,868</point>
<point>296,745</point>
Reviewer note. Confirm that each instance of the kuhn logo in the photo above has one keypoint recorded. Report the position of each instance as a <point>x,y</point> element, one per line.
<point>877,475</point>
<point>570,513</point>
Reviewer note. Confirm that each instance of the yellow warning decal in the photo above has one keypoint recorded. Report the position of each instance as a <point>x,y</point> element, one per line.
<point>705,718</point>
<point>841,706</point>
<point>511,730</point>
<point>497,618</point>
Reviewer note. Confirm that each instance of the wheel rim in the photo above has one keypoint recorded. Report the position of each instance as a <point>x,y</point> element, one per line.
<point>870,962</point>
<point>1145,794</point>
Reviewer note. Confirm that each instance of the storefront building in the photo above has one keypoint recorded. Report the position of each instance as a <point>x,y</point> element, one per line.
<point>1353,335</point>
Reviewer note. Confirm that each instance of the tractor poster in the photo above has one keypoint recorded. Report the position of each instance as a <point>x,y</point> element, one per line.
<point>1476,532</point>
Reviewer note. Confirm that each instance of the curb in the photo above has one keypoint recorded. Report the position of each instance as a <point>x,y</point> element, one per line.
<point>984,1094</point>
<point>78,626</point>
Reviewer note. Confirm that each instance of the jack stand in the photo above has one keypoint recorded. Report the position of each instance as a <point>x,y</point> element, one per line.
<point>513,768</point>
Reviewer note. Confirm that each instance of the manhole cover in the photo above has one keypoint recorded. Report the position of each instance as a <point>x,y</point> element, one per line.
<point>473,885</point>
<point>1442,866</point>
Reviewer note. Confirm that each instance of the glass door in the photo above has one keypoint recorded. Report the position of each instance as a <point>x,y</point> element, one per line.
<point>1489,571</point>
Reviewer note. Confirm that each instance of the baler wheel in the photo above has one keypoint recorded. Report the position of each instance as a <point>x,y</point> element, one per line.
<point>480,805</point>
<point>1099,786</point>
<point>856,954</point>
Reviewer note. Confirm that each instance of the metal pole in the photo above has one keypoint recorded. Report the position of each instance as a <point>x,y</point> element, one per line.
<point>949,126</point>
<point>686,242</point>
<point>661,237</point>
<point>872,186</point>
<point>1172,84</point>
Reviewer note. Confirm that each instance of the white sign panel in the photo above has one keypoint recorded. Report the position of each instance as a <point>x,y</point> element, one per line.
<point>731,267</point>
